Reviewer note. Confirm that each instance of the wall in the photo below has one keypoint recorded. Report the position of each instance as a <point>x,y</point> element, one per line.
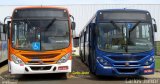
<point>84,12</point>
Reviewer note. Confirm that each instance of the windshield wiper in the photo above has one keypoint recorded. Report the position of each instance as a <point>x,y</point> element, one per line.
<point>115,25</point>
<point>126,47</point>
<point>134,27</point>
<point>50,24</point>
<point>34,30</point>
<point>118,28</point>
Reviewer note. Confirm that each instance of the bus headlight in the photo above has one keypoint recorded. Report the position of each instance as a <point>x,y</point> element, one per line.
<point>103,61</point>
<point>16,59</point>
<point>64,58</point>
<point>150,61</point>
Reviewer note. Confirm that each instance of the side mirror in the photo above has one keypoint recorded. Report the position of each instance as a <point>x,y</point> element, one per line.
<point>73,25</point>
<point>155,27</point>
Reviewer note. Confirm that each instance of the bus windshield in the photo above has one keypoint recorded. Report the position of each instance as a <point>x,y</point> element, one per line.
<point>40,35</point>
<point>125,37</point>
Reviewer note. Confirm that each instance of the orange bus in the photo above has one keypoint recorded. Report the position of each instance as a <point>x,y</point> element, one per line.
<point>39,40</point>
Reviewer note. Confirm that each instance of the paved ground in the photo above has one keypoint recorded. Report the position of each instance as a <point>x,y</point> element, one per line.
<point>80,75</point>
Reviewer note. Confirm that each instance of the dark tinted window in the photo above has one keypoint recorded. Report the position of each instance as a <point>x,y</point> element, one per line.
<point>43,12</point>
<point>124,16</point>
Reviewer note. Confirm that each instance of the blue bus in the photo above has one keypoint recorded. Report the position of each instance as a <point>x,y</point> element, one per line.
<point>119,42</point>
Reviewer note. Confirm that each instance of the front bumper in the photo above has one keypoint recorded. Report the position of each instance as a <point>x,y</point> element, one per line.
<point>126,71</point>
<point>40,69</point>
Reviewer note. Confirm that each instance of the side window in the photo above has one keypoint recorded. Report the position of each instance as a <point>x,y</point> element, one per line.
<point>82,38</point>
<point>0,32</point>
<point>2,35</point>
<point>142,31</point>
<point>90,34</point>
<point>145,29</point>
<point>87,34</point>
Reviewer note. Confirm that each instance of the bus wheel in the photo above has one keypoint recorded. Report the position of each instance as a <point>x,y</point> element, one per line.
<point>9,67</point>
<point>64,75</point>
<point>94,62</point>
<point>81,57</point>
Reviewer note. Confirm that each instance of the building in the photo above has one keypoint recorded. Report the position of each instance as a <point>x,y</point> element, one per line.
<point>83,12</point>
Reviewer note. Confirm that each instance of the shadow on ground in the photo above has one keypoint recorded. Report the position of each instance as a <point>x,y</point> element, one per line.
<point>81,67</point>
<point>3,63</point>
<point>78,66</point>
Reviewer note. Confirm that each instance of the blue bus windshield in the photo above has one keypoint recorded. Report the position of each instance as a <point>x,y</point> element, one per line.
<point>124,36</point>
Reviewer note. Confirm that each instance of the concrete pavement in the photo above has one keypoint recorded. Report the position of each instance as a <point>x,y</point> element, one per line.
<point>80,75</point>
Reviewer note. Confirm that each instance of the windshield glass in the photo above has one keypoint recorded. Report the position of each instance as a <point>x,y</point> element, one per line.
<point>40,35</point>
<point>125,37</point>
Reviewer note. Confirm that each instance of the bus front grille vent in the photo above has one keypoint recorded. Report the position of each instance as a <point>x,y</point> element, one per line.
<point>40,62</point>
<point>127,70</point>
<point>40,68</point>
<point>126,58</point>
<point>41,56</point>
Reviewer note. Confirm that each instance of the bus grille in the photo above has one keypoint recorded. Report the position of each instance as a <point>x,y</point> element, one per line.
<point>129,64</point>
<point>39,62</point>
<point>39,59</point>
<point>41,68</point>
<point>127,70</point>
<point>40,56</point>
<point>126,58</point>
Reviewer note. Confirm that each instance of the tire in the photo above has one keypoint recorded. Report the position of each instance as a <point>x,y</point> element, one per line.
<point>64,75</point>
<point>9,67</point>
<point>81,57</point>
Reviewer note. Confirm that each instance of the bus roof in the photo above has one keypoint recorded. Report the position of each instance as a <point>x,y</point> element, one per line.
<point>113,10</point>
<point>121,10</point>
<point>26,7</point>
<point>31,14</point>
<point>123,14</point>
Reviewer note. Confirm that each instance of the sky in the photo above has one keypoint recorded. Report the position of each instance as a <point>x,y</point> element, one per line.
<point>64,2</point>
